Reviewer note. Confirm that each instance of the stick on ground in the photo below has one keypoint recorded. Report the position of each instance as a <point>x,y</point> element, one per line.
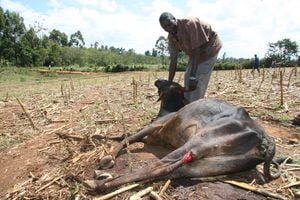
<point>48,184</point>
<point>292,184</point>
<point>163,190</point>
<point>26,113</point>
<point>155,196</point>
<point>119,191</point>
<point>141,193</point>
<point>256,190</point>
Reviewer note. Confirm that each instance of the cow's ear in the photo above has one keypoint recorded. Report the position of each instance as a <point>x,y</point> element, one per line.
<point>158,83</point>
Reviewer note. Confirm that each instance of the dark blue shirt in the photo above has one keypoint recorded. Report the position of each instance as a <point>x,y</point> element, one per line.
<point>256,62</point>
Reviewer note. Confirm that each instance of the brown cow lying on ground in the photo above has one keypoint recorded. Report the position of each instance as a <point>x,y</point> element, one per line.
<point>209,137</point>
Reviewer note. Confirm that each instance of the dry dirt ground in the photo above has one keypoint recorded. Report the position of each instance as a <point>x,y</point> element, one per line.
<point>49,156</point>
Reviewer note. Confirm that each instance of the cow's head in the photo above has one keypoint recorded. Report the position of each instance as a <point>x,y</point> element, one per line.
<point>171,95</point>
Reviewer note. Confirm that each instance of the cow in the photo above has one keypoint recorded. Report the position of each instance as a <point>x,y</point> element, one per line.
<point>208,137</point>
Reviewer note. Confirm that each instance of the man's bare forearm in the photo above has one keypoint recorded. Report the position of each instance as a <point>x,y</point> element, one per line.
<point>173,64</point>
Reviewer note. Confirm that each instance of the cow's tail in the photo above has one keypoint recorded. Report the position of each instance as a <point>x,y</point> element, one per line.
<point>267,170</point>
<point>269,161</point>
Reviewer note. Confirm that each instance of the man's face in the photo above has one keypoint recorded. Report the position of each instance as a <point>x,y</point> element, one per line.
<point>169,25</point>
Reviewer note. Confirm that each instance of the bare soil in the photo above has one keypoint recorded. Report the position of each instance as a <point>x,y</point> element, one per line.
<point>50,158</point>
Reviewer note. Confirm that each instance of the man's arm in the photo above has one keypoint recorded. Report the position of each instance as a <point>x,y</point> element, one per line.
<point>173,63</point>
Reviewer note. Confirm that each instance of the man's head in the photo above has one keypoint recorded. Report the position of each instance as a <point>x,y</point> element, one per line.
<point>168,22</point>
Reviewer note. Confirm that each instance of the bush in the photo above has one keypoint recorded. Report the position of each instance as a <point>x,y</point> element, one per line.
<point>181,65</point>
<point>123,68</point>
<point>224,66</point>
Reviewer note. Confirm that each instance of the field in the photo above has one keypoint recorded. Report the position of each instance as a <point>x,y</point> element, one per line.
<point>46,148</point>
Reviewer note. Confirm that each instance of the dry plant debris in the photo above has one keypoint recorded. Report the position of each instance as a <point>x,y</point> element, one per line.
<point>51,162</point>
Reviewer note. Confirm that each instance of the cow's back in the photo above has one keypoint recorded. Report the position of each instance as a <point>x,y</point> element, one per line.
<point>206,111</point>
<point>180,126</point>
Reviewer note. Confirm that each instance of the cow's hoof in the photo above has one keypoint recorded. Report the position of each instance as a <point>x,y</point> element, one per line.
<point>106,162</point>
<point>95,185</point>
<point>99,175</point>
<point>98,137</point>
<point>91,184</point>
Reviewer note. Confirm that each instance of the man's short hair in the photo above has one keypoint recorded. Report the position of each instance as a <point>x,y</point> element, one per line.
<point>166,16</point>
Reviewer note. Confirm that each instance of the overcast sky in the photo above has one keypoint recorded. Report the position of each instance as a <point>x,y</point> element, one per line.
<point>245,26</point>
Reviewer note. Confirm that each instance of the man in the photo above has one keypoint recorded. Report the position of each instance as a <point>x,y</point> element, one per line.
<point>197,39</point>
<point>255,64</point>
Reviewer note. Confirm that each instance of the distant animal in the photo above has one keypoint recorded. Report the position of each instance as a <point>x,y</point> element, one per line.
<point>209,137</point>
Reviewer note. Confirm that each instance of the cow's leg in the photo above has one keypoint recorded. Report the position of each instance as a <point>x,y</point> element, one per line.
<point>226,147</point>
<point>137,137</point>
<point>105,137</point>
<point>164,167</point>
<point>108,161</point>
<point>205,143</point>
<point>161,168</point>
<point>152,172</point>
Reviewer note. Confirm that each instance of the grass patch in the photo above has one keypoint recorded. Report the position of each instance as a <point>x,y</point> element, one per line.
<point>297,160</point>
<point>6,142</point>
<point>21,75</point>
<point>277,106</point>
<point>282,117</point>
<point>15,75</point>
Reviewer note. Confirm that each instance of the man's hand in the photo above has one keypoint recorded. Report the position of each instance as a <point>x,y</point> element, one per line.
<point>192,83</point>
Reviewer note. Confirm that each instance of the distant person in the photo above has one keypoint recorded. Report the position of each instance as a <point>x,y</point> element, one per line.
<point>200,42</point>
<point>255,64</point>
<point>50,65</point>
<point>273,64</point>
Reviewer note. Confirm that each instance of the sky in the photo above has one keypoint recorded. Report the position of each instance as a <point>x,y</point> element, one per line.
<point>246,27</point>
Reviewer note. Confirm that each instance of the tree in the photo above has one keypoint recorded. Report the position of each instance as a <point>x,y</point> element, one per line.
<point>58,37</point>
<point>147,53</point>
<point>224,56</point>
<point>2,22</point>
<point>96,44</point>
<point>38,27</point>
<point>54,54</point>
<point>51,51</point>
<point>22,47</point>
<point>283,51</point>
<point>11,33</point>
<point>162,48</point>
<point>2,25</point>
<point>76,40</point>
<point>130,52</point>
<point>30,49</point>
<point>154,52</point>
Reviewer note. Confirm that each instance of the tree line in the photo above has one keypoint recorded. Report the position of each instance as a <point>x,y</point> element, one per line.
<point>27,47</point>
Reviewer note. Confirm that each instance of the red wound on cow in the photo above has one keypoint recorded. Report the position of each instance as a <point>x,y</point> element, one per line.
<point>188,157</point>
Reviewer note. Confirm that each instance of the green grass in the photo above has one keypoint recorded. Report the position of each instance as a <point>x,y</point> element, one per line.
<point>15,75</point>
<point>21,75</point>
<point>282,117</point>
<point>12,75</point>
<point>6,141</point>
<point>297,161</point>
<point>276,106</point>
